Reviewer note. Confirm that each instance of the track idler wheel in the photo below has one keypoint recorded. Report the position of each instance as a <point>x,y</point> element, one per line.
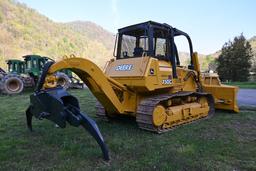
<point>159,115</point>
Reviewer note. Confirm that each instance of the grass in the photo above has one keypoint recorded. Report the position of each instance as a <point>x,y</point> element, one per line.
<point>225,142</point>
<point>250,85</point>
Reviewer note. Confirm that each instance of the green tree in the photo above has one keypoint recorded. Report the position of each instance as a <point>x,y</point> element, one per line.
<point>234,62</point>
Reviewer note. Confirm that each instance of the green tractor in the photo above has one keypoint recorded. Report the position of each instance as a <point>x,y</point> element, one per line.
<point>34,65</point>
<point>25,74</point>
<point>11,82</point>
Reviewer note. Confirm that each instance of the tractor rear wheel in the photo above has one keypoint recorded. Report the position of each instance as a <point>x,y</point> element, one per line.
<point>63,80</point>
<point>12,84</point>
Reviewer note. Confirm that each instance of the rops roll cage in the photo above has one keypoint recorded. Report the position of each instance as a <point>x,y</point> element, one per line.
<point>150,30</point>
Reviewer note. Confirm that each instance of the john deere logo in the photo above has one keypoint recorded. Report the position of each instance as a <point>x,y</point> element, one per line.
<point>124,67</point>
<point>152,71</point>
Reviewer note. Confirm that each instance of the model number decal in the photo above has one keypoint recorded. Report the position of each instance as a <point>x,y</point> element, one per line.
<point>124,67</point>
<point>168,81</point>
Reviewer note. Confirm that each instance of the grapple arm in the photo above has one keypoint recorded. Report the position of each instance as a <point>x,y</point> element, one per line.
<point>60,107</point>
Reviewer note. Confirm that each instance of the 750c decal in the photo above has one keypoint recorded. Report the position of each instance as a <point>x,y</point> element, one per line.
<point>166,82</point>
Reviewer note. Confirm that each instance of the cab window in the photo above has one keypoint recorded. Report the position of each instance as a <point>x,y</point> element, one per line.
<point>15,67</point>
<point>10,67</point>
<point>128,45</point>
<point>160,47</point>
<point>134,44</point>
<point>34,63</point>
<point>41,64</point>
<point>28,63</point>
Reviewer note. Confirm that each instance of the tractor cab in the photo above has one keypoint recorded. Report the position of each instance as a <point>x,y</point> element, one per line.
<point>151,39</point>
<point>16,66</point>
<point>34,64</point>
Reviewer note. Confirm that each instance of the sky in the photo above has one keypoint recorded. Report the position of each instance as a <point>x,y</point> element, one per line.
<point>210,23</point>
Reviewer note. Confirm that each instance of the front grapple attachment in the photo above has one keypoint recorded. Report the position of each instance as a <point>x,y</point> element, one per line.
<point>60,107</point>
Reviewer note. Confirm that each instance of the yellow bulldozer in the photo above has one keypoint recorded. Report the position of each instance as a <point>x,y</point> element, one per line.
<point>145,81</point>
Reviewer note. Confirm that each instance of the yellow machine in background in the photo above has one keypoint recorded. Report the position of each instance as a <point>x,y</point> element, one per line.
<point>146,80</point>
<point>225,97</point>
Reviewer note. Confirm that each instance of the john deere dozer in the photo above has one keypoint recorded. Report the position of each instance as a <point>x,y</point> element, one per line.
<point>145,81</point>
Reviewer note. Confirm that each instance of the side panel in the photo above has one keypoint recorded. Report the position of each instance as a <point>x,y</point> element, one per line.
<point>132,67</point>
<point>142,74</point>
<point>147,74</point>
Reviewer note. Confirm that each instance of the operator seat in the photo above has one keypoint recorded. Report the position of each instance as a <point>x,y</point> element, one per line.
<point>138,51</point>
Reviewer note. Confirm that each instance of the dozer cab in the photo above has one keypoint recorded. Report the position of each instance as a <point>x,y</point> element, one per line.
<point>145,81</point>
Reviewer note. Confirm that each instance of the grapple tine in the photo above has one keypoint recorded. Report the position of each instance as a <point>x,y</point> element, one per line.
<point>91,126</point>
<point>29,118</point>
